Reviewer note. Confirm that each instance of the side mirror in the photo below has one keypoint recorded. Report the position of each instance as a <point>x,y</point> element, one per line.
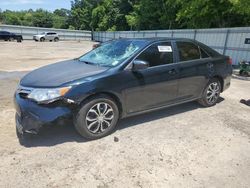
<point>139,65</point>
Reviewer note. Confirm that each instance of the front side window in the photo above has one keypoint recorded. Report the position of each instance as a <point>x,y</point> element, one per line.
<point>157,54</point>
<point>188,51</point>
<point>113,53</point>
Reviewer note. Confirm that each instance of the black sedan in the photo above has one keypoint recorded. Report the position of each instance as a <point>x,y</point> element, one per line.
<point>7,36</point>
<point>121,78</point>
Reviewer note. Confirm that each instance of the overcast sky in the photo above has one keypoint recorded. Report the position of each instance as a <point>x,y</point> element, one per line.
<point>34,4</point>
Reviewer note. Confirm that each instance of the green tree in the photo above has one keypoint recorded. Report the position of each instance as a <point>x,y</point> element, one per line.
<point>81,13</point>
<point>27,18</point>
<point>241,10</point>
<point>153,14</point>
<point>205,13</point>
<point>1,16</point>
<point>42,18</point>
<point>61,18</point>
<point>11,18</point>
<point>111,15</point>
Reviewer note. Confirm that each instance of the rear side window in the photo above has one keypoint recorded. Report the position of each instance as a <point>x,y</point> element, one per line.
<point>157,54</point>
<point>188,51</point>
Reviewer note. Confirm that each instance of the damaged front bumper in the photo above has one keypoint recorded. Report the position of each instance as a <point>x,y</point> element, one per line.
<point>31,117</point>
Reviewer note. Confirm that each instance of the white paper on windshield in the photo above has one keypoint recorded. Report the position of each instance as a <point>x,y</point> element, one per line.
<point>165,48</point>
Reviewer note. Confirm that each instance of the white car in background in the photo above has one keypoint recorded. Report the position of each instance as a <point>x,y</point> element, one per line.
<point>46,36</point>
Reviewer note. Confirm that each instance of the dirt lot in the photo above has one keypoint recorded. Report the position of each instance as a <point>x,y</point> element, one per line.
<point>182,146</point>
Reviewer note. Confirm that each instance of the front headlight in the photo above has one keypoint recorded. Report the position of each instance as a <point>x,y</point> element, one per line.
<point>48,95</point>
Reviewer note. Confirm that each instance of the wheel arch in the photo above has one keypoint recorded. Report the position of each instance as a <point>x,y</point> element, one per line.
<point>221,81</point>
<point>113,96</point>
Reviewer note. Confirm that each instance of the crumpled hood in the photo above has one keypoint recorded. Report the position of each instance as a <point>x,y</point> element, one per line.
<point>57,74</point>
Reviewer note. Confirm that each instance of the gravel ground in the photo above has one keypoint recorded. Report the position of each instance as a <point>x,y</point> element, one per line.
<point>181,146</point>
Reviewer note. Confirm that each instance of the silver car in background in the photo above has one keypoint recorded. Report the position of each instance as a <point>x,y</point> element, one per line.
<point>46,36</point>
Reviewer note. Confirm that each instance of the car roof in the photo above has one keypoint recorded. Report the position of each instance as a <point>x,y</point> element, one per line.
<point>156,39</point>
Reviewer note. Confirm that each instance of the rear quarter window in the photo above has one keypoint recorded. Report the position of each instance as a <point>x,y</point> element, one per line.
<point>204,54</point>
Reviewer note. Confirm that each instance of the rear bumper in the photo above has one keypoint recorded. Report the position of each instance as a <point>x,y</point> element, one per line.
<point>227,82</point>
<point>31,117</point>
<point>227,78</point>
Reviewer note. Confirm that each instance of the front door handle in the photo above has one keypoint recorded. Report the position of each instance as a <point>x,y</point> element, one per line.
<point>172,71</point>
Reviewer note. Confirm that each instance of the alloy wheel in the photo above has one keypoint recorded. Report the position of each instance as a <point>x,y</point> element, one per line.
<point>99,117</point>
<point>213,92</point>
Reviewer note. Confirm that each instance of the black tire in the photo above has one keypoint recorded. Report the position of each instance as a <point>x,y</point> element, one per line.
<point>81,122</point>
<point>206,100</point>
<point>19,40</point>
<point>56,39</point>
<point>24,137</point>
<point>42,39</point>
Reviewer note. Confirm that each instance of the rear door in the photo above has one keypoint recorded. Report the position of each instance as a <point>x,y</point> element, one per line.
<point>1,35</point>
<point>155,86</point>
<point>48,36</point>
<point>193,65</point>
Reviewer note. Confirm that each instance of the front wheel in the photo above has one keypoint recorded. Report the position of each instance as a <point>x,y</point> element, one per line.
<point>56,39</point>
<point>97,117</point>
<point>42,39</point>
<point>211,93</point>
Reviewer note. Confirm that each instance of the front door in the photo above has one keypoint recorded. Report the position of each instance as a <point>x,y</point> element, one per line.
<point>156,85</point>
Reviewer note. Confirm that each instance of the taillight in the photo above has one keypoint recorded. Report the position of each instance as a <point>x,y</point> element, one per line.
<point>230,61</point>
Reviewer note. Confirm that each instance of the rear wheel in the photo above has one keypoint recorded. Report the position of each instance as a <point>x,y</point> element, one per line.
<point>97,117</point>
<point>19,39</point>
<point>211,93</point>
